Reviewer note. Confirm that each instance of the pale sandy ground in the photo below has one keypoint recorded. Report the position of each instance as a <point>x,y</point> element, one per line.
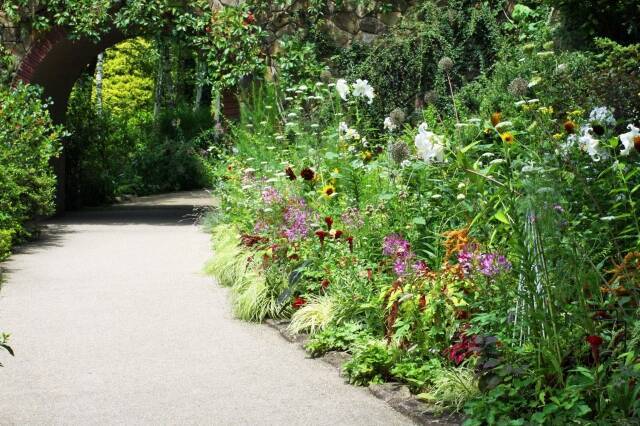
<point>113,323</point>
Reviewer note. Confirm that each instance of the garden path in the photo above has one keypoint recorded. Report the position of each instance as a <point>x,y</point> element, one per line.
<point>113,323</point>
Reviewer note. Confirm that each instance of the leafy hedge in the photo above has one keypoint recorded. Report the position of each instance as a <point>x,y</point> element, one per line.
<point>28,141</point>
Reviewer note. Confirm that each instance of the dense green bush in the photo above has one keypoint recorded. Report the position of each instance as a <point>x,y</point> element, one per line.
<point>28,142</point>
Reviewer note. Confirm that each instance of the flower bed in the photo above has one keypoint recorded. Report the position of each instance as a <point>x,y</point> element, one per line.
<point>489,259</point>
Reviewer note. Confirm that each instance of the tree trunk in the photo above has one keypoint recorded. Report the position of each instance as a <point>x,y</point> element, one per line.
<point>99,77</point>
<point>201,71</point>
<point>164,90</point>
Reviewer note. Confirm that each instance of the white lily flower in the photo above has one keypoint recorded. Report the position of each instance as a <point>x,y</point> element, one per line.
<point>628,139</point>
<point>362,89</point>
<point>343,88</point>
<point>389,124</point>
<point>430,146</point>
<point>589,144</point>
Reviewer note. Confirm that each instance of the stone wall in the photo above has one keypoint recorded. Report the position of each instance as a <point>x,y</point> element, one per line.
<point>361,23</point>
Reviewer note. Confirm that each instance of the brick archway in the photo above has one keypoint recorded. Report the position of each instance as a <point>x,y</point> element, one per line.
<point>55,61</point>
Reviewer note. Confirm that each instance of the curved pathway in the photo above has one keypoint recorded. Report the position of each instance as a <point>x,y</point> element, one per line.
<point>113,323</point>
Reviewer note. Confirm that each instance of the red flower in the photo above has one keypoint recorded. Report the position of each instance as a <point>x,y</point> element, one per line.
<point>250,19</point>
<point>307,174</point>
<point>290,173</point>
<point>422,303</point>
<point>350,241</point>
<point>321,235</point>
<point>338,234</point>
<point>594,340</point>
<point>325,283</point>
<point>329,221</point>
<point>299,302</point>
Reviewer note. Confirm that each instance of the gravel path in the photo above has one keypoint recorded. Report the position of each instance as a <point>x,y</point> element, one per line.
<point>113,323</point>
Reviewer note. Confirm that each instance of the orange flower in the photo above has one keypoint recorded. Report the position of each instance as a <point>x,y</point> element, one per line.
<point>496,117</point>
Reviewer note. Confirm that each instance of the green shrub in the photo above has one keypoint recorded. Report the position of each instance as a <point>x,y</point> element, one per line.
<point>28,141</point>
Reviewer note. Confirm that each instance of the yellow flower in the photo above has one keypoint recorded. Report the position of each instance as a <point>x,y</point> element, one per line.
<point>557,136</point>
<point>507,137</point>
<point>367,155</point>
<point>328,191</point>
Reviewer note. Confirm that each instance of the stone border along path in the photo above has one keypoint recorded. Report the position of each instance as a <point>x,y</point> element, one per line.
<point>113,322</point>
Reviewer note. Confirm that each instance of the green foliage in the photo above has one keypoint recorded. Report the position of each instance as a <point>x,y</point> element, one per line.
<point>4,337</point>
<point>371,363</point>
<point>128,77</point>
<point>28,142</point>
<point>452,388</point>
<point>342,337</point>
<point>403,65</point>
<point>316,315</point>
<point>599,18</point>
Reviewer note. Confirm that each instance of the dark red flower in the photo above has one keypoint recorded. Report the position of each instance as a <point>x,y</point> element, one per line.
<point>299,302</point>
<point>307,174</point>
<point>594,340</point>
<point>321,235</point>
<point>350,241</point>
<point>250,19</point>
<point>329,221</point>
<point>636,143</point>
<point>290,173</point>
<point>338,234</point>
<point>325,283</point>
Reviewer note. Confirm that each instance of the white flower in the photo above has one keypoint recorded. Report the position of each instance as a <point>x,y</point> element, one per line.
<point>314,126</point>
<point>389,124</point>
<point>430,146</point>
<point>343,88</point>
<point>292,115</point>
<point>351,134</point>
<point>405,163</point>
<point>503,125</point>
<point>343,127</point>
<point>423,128</point>
<point>362,89</point>
<point>589,144</point>
<point>602,115</point>
<point>302,88</point>
<point>628,139</point>
<point>461,197</point>
<point>520,103</point>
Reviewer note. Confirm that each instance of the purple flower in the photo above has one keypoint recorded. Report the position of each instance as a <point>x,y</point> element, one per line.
<point>295,218</point>
<point>352,218</point>
<point>420,267</point>
<point>260,227</point>
<point>270,195</point>
<point>558,208</point>
<point>395,245</point>
<point>492,264</point>
<point>466,260</point>
<point>400,266</point>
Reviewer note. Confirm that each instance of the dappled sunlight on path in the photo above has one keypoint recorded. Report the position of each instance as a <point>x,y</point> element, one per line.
<point>113,323</point>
